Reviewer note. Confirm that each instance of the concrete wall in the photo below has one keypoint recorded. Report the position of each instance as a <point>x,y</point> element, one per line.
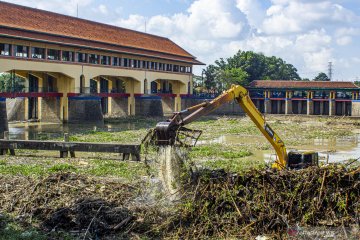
<point>168,105</point>
<point>85,109</point>
<point>149,106</point>
<point>3,118</point>
<point>119,107</point>
<point>50,110</point>
<point>355,109</point>
<point>15,109</point>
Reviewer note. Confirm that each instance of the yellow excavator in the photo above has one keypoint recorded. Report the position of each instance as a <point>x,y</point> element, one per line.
<point>167,133</point>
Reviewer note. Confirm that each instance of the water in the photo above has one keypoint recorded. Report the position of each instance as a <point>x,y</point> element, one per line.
<point>332,150</point>
<point>40,131</point>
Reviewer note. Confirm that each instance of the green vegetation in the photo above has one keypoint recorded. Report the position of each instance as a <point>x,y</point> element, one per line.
<point>244,67</point>
<point>11,83</point>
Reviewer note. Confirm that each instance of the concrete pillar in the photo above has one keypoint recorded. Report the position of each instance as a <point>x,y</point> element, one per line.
<point>177,103</point>
<point>310,103</point>
<point>26,109</point>
<point>321,108</point>
<point>3,118</point>
<point>355,108</point>
<point>288,106</point>
<point>332,107</point>
<point>310,107</point>
<point>278,103</point>
<point>267,105</point>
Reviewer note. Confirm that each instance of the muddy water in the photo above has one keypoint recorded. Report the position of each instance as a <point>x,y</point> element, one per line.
<point>330,150</point>
<point>41,131</point>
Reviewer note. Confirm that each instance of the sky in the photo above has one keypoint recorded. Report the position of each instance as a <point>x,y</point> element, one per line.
<point>306,33</point>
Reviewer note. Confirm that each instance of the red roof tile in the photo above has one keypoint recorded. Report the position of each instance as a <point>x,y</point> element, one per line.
<point>25,18</point>
<point>301,84</point>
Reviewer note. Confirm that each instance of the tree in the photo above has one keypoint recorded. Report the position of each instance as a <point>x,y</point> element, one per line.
<point>246,66</point>
<point>322,77</point>
<point>11,83</point>
<point>233,76</point>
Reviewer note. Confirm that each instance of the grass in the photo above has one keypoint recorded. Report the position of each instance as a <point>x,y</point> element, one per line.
<point>10,230</point>
<point>94,167</point>
<point>218,151</point>
<point>295,131</point>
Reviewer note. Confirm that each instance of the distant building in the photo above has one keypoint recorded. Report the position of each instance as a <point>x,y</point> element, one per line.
<point>306,97</point>
<point>63,57</point>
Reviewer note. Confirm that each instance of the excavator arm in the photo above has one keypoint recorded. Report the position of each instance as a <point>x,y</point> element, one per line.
<point>166,131</point>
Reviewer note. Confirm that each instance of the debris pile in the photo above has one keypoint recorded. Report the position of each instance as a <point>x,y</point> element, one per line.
<point>258,202</point>
<point>81,205</point>
<point>215,204</point>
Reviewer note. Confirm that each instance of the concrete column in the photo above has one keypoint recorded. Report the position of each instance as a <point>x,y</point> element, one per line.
<point>310,103</point>
<point>288,106</point>
<point>110,86</point>
<point>321,108</point>
<point>177,103</point>
<point>39,99</point>
<point>332,107</point>
<point>310,107</point>
<point>26,109</point>
<point>355,108</point>
<point>278,106</point>
<point>267,105</point>
<point>3,117</point>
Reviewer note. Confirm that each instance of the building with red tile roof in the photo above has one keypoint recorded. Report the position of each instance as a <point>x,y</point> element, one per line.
<point>62,57</point>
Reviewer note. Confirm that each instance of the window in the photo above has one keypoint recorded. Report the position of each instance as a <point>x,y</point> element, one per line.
<point>115,61</point>
<point>81,57</point>
<point>67,56</point>
<point>126,62</point>
<point>105,60</point>
<point>5,49</point>
<point>93,58</point>
<point>38,53</point>
<point>21,51</point>
<point>53,54</point>
<point>176,68</point>
<point>182,69</point>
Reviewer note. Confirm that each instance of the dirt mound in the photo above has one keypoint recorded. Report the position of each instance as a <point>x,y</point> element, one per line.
<point>224,205</point>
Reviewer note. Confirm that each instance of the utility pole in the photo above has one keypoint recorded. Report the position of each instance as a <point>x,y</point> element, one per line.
<point>330,71</point>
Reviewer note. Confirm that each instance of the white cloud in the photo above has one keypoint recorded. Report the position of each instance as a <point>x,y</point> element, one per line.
<point>306,33</point>
<point>343,41</point>
<point>68,7</point>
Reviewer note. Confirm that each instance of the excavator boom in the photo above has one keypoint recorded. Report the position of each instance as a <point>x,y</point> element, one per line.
<point>166,131</point>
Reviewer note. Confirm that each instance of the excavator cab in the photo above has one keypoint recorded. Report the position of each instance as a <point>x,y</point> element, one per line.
<point>302,159</point>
